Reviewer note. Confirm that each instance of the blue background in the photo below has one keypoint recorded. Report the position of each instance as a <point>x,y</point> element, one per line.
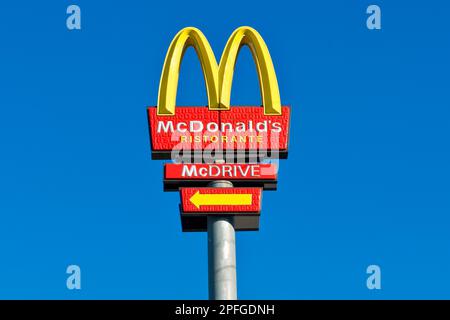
<point>366,182</point>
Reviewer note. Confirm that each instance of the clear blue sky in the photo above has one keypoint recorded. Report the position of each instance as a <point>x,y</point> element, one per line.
<point>366,182</point>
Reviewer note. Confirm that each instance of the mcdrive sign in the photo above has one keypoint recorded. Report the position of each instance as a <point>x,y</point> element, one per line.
<point>218,126</point>
<point>178,175</point>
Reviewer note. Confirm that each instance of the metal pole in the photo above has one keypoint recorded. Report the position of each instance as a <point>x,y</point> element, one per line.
<point>221,254</point>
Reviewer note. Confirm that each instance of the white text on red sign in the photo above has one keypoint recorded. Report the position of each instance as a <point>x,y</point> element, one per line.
<point>221,171</point>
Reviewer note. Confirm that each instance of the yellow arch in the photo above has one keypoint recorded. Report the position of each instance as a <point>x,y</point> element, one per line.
<point>266,72</point>
<point>168,84</point>
<point>218,78</point>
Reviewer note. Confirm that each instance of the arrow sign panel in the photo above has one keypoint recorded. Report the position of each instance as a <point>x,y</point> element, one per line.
<point>227,200</point>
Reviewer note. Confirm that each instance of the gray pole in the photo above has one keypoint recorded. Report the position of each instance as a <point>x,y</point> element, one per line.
<point>221,254</point>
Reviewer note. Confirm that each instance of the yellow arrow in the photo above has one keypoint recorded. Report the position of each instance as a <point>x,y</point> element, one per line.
<point>199,199</point>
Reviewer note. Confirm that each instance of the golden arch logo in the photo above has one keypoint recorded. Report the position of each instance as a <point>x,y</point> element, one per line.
<point>218,126</point>
<point>218,77</point>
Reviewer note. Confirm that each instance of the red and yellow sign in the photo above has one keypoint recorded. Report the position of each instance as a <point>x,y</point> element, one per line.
<point>226,200</point>
<point>218,131</point>
<point>218,126</point>
<point>198,128</point>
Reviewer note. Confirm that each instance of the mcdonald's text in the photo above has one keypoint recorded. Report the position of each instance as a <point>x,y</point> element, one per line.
<point>237,129</point>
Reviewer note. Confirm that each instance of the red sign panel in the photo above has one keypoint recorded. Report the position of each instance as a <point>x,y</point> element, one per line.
<point>234,171</point>
<point>238,129</point>
<point>221,200</point>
